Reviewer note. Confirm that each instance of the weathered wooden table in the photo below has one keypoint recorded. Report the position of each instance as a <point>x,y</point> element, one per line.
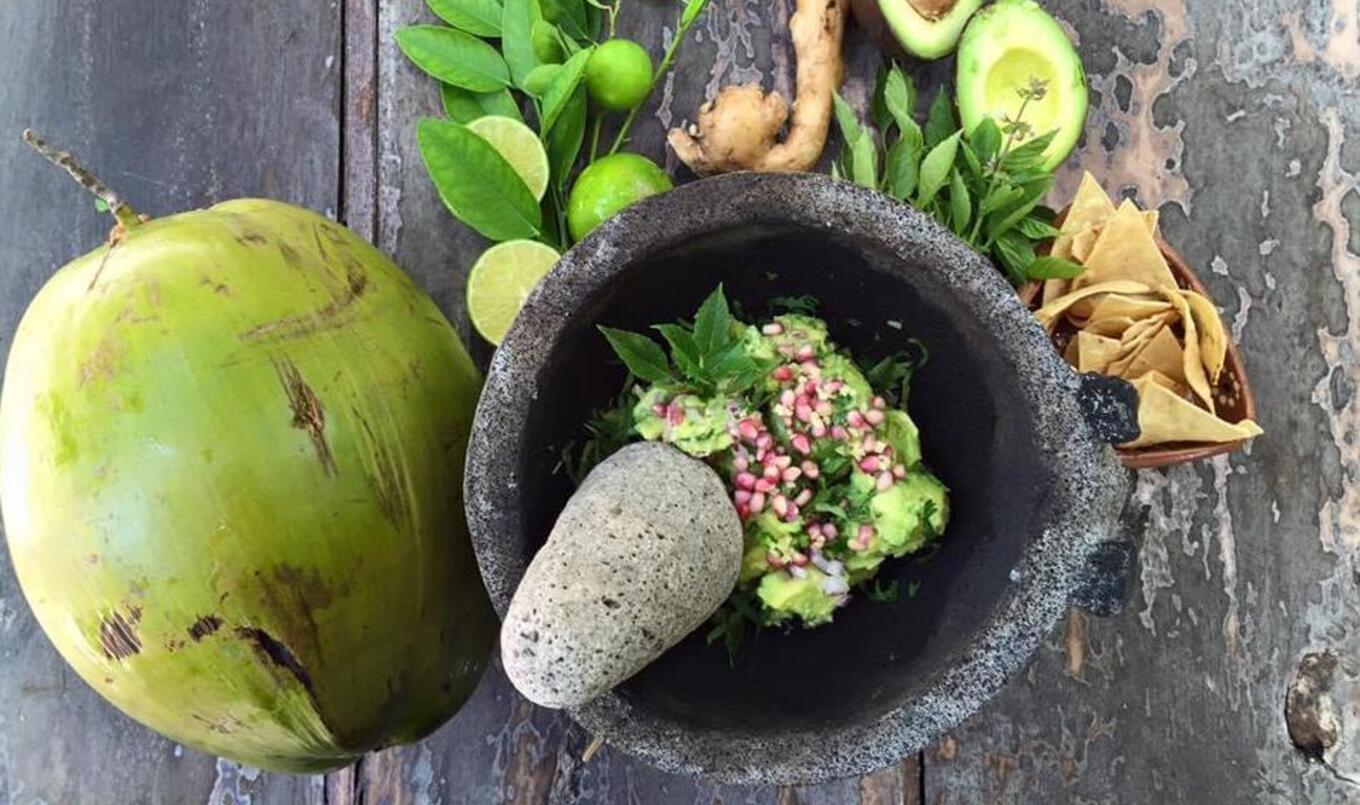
<point>1239,120</point>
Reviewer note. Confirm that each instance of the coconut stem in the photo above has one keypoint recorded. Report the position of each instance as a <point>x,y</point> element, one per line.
<point>127,217</point>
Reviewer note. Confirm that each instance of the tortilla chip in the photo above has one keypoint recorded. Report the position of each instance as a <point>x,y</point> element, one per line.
<point>1150,218</point>
<point>1135,307</point>
<point>1194,366</point>
<point>1049,313</point>
<point>1125,251</point>
<point>1132,337</point>
<point>1160,352</point>
<point>1082,243</point>
<point>1053,289</point>
<point>1090,352</point>
<point>1090,208</point>
<point>1213,339</point>
<point>1164,416</point>
<point>1162,380</point>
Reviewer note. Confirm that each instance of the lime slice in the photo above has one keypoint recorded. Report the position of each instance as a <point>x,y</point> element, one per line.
<point>518,145</point>
<point>501,280</point>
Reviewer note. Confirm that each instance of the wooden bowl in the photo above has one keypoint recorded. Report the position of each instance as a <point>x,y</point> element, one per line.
<point>1232,395</point>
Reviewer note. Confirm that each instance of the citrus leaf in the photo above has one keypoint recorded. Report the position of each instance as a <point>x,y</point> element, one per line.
<point>1052,268</point>
<point>517,40</point>
<point>476,183</point>
<point>692,11</point>
<point>562,87</point>
<point>569,15</point>
<point>538,80</point>
<point>640,354</point>
<point>462,106</point>
<point>454,57</point>
<point>935,169</point>
<point>564,140</point>
<point>479,17</point>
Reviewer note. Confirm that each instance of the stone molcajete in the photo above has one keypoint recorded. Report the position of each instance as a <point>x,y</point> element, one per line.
<point>1035,492</point>
<point>642,555</point>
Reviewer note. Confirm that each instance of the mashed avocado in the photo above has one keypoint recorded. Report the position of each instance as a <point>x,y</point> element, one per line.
<point>824,470</point>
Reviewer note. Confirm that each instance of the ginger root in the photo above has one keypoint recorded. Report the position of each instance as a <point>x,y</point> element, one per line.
<point>739,129</point>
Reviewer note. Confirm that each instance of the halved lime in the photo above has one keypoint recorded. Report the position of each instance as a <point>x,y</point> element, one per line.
<point>501,280</point>
<point>518,145</point>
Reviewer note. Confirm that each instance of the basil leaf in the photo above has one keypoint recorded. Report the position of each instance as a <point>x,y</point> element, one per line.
<point>517,40</point>
<point>846,120</point>
<point>1052,268</point>
<point>1035,229</point>
<point>901,169</point>
<point>684,350</point>
<point>713,325</point>
<point>692,11</point>
<point>1005,218</point>
<point>960,206</point>
<point>564,140</point>
<point>538,80</point>
<point>899,94</point>
<point>563,86</point>
<point>476,183</point>
<point>569,15</point>
<point>640,354</point>
<point>1015,254</point>
<point>940,121</point>
<point>986,140</point>
<point>1028,156</point>
<point>462,106</point>
<point>454,57</point>
<point>973,164</point>
<point>935,168</point>
<point>864,161</point>
<point>731,363</point>
<point>1003,195</point>
<point>480,17</point>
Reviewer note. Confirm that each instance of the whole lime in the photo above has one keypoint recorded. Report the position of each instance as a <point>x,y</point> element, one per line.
<point>619,74</point>
<point>608,186</point>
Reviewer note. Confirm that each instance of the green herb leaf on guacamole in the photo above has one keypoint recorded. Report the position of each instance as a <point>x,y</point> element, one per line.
<point>641,355</point>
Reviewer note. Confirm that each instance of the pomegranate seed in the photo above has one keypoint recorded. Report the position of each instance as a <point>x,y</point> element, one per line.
<point>791,516</point>
<point>870,444</point>
<point>740,464</point>
<point>834,386</point>
<point>799,558</point>
<point>806,352</point>
<point>783,462</point>
<point>884,482</point>
<point>742,496</point>
<point>818,430</point>
<point>866,533</point>
<point>773,328</point>
<point>786,350</point>
<point>899,471</point>
<point>800,443</point>
<point>787,398</point>
<point>780,504</point>
<point>839,433</point>
<point>775,561</point>
<point>829,531</point>
<point>772,472</point>
<point>675,414</point>
<point>757,504</point>
<point>783,374</point>
<point>764,440</point>
<point>855,419</point>
<point>743,512</point>
<point>869,464</point>
<point>811,470</point>
<point>745,480</point>
<point>659,409</point>
<point>764,485</point>
<point>824,408</point>
<point>748,430</point>
<point>878,402</point>
<point>804,497</point>
<point>810,388</point>
<point>804,413</point>
<point>886,450</point>
<point>792,474</point>
<point>818,542</point>
<point>874,416</point>
<point>814,530</point>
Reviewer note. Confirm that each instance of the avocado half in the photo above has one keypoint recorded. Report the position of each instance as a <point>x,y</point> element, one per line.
<point>1002,49</point>
<point>926,29</point>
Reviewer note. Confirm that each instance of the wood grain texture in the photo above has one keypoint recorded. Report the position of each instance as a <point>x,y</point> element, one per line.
<point>177,105</point>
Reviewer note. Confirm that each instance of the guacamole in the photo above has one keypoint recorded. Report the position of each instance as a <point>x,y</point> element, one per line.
<point>824,470</point>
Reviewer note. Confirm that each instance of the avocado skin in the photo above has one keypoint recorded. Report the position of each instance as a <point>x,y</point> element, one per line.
<point>916,38</point>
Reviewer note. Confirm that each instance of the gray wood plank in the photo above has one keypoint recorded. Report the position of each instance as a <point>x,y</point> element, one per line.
<point>178,105</point>
<point>1238,120</point>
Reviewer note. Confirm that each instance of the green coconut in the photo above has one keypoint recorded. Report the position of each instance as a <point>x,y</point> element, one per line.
<point>232,445</point>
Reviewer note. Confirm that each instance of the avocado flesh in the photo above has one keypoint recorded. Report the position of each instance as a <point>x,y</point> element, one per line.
<point>927,29</point>
<point>1004,47</point>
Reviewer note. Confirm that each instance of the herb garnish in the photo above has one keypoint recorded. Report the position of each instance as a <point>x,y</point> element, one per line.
<point>985,185</point>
